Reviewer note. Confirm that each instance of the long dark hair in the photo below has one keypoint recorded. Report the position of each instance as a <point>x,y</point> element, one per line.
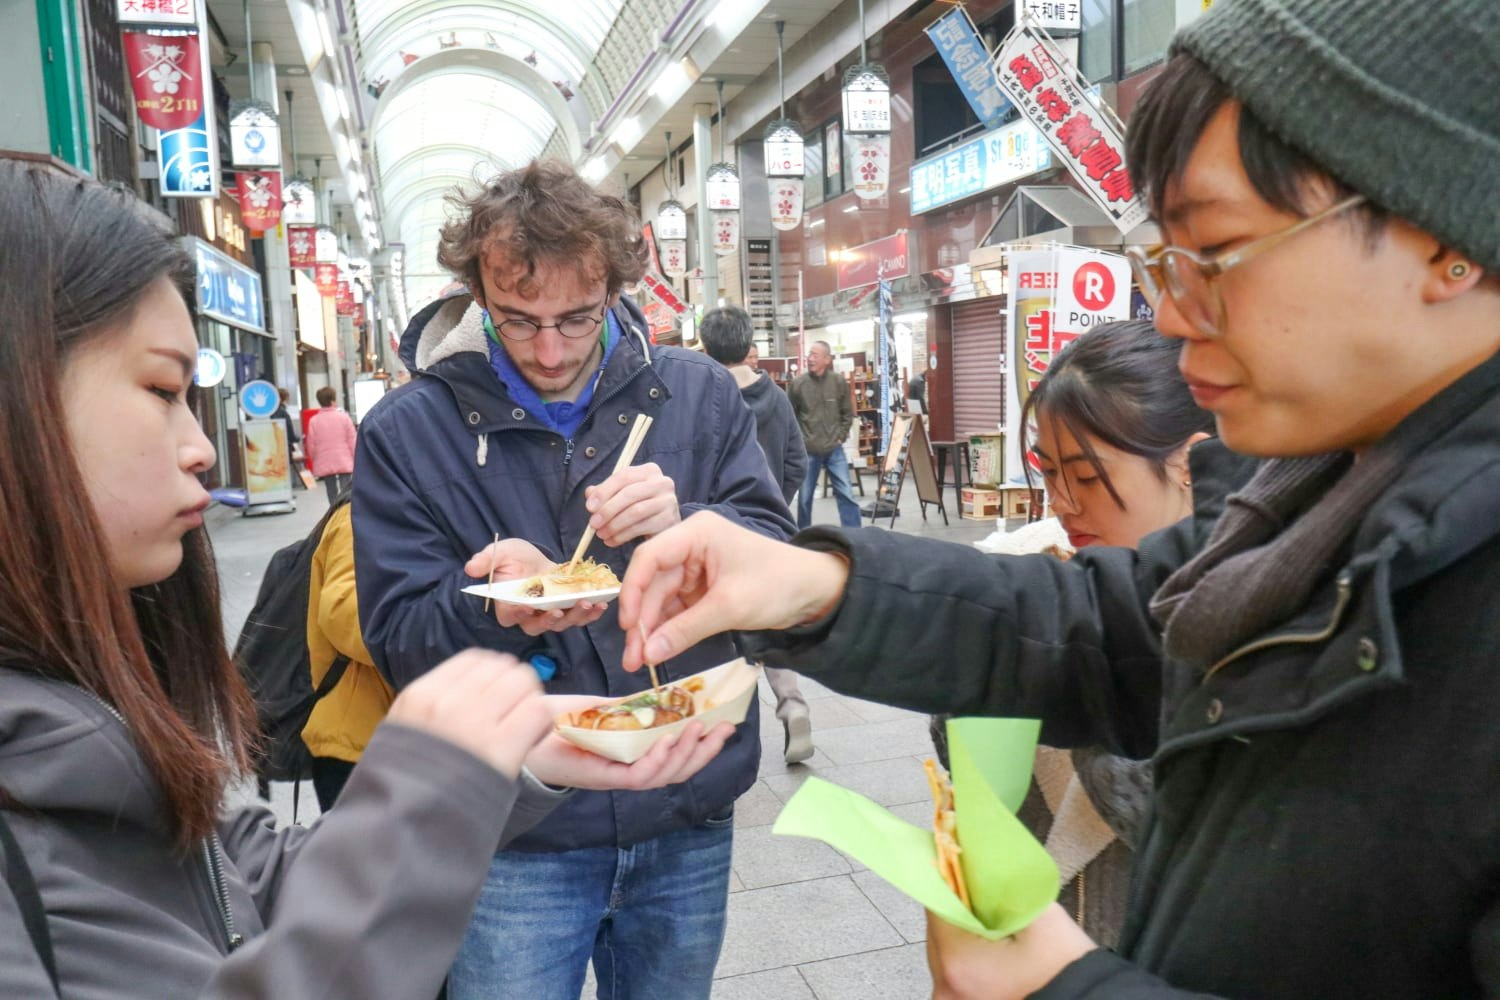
<point>76,259</point>
<point>1118,384</point>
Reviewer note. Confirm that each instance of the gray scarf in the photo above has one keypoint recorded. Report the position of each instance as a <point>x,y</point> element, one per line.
<point>1281,535</point>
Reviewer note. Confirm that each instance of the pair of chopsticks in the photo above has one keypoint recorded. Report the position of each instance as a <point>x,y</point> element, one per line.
<point>627,455</point>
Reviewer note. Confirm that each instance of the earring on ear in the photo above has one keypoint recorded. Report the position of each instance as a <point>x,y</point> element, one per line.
<point>1458,271</point>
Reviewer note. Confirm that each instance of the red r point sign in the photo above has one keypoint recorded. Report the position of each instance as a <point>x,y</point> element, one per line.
<point>1094,286</point>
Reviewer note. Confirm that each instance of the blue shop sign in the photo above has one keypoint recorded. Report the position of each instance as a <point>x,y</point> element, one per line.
<point>188,168</point>
<point>1008,153</point>
<point>954,37</point>
<point>259,399</point>
<point>228,290</point>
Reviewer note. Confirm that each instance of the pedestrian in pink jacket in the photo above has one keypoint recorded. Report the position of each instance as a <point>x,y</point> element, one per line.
<point>330,444</point>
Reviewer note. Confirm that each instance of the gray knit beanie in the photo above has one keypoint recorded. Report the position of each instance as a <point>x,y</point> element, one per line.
<point>1398,99</point>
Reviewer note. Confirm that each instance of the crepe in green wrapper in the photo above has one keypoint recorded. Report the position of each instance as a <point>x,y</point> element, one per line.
<point>1010,877</point>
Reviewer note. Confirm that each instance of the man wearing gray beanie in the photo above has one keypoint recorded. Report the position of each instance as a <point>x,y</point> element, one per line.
<point>1312,661</point>
<point>1327,761</point>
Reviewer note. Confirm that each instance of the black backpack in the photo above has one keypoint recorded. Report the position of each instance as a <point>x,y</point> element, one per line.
<point>272,656</point>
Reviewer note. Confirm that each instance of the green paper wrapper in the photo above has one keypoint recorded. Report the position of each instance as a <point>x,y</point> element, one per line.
<point>1009,875</point>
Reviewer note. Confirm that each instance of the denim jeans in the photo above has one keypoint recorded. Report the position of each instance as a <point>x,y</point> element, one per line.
<point>651,916</point>
<point>837,464</point>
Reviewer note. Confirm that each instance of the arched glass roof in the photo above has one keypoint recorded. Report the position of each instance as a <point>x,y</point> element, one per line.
<point>443,124</point>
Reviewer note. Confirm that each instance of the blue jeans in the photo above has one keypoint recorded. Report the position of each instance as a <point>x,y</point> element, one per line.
<point>651,916</point>
<point>837,464</point>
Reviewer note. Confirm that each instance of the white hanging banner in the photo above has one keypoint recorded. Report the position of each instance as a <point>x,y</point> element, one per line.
<point>726,233</point>
<point>786,202</point>
<point>1048,91</point>
<point>298,204</point>
<point>722,187</point>
<point>872,165</point>
<point>255,139</point>
<point>674,258</point>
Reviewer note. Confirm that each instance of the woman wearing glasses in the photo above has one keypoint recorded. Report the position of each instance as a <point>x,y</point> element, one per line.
<point>1313,674</point>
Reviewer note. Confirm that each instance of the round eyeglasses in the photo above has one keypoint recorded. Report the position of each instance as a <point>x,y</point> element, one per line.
<point>1191,279</point>
<point>572,327</point>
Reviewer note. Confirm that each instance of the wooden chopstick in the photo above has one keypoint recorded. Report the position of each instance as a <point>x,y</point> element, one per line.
<point>627,455</point>
<point>655,683</point>
<point>487,595</point>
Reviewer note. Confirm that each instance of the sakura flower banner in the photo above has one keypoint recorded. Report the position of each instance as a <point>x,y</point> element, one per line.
<point>786,202</point>
<point>260,198</point>
<point>301,243</point>
<point>165,78</point>
<point>726,228</point>
<point>872,165</point>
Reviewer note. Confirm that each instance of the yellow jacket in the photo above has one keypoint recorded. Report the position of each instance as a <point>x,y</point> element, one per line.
<point>340,724</point>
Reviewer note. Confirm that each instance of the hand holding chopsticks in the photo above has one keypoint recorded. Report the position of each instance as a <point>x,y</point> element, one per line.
<point>627,455</point>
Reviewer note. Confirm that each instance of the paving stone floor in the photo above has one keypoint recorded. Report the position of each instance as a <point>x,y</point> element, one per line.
<point>806,922</point>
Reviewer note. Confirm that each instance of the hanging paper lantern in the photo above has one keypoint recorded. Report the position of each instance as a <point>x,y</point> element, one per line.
<point>867,100</point>
<point>674,257</point>
<point>671,220</point>
<point>871,166</point>
<point>722,187</point>
<point>254,135</point>
<point>726,231</point>
<point>299,206</point>
<point>786,203</point>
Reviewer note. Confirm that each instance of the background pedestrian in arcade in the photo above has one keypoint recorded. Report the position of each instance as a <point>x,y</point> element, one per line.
<point>820,397</point>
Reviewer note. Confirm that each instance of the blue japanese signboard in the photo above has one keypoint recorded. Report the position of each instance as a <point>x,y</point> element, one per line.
<point>189,167</point>
<point>958,43</point>
<point>984,162</point>
<point>228,290</point>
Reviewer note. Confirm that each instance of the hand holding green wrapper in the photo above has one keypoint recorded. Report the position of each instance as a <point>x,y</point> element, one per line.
<point>1009,875</point>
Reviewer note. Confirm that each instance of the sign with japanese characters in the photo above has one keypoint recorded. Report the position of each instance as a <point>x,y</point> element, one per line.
<point>871,165</point>
<point>786,202</point>
<point>722,186</point>
<point>189,167</point>
<point>165,76</point>
<point>867,112</point>
<point>785,158</point>
<point>260,198</point>
<point>227,290</point>
<point>301,245</point>
<point>327,277</point>
<point>726,229</point>
<point>1032,340</point>
<point>299,205</point>
<point>959,44</point>
<point>343,299</point>
<point>1093,287</point>
<point>887,259</point>
<point>1048,91</point>
<point>1008,153</point>
<point>663,293</point>
<point>1053,15</point>
<point>176,13</point>
<point>673,257</point>
<point>255,138</point>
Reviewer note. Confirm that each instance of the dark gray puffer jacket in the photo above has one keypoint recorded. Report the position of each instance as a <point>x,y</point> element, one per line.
<point>375,906</point>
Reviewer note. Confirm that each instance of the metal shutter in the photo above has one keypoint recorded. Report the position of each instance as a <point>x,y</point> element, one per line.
<point>978,386</point>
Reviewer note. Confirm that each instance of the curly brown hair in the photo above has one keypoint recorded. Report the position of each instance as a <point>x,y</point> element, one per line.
<point>542,213</point>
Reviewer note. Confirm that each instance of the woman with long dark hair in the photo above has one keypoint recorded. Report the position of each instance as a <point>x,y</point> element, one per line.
<point>122,719</point>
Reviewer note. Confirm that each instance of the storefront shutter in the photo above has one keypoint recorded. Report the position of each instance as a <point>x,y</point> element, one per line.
<point>978,386</point>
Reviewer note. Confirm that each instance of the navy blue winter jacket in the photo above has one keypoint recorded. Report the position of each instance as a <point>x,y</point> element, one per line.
<point>450,459</point>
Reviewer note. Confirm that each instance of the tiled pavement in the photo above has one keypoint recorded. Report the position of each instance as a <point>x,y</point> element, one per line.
<point>806,922</point>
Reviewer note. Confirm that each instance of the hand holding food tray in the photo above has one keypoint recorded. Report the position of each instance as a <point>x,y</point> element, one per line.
<point>626,728</point>
<point>1007,875</point>
<point>558,589</point>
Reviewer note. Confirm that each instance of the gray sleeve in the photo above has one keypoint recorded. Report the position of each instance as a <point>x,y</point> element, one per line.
<point>383,886</point>
<point>21,971</point>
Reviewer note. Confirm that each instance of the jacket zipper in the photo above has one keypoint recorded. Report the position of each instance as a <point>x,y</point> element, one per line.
<point>212,854</point>
<point>1345,590</point>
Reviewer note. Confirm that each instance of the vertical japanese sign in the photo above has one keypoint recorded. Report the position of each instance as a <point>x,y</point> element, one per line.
<point>188,156</point>
<point>1054,15</point>
<point>173,13</point>
<point>301,243</point>
<point>327,277</point>
<point>1049,92</point>
<point>885,354</point>
<point>958,43</point>
<point>1032,340</point>
<point>260,198</point>
<point>165,77</point>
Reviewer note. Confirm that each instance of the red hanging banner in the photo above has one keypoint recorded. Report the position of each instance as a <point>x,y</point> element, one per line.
<point>343,300</point>
<point>164,75</point>
<point>301,244</point>
<point>260,198</point>
<point>327,277</point>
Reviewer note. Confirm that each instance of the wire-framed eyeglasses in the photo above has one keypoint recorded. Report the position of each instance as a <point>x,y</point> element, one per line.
<point>1191,279</point>
<point>572,327</point>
